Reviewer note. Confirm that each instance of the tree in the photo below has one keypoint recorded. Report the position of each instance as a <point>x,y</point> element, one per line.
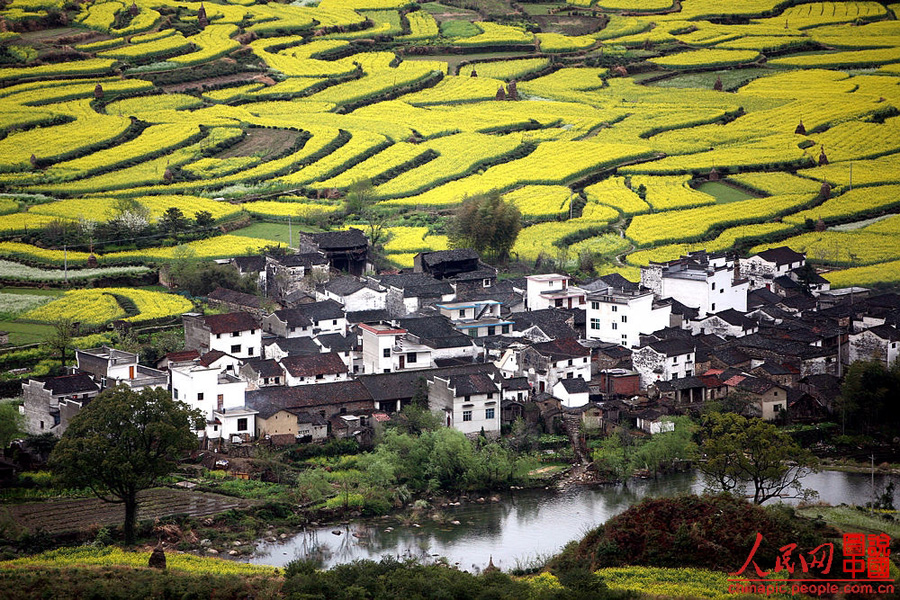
<point>173,221</point>
<point>867,402</point>
<point>743,453</point>
<point>64,330</point>
<point>360,197</point>
<point>124,442</point>
<point>203,219</point>
<point>11,422</point>
<point>486,223</point>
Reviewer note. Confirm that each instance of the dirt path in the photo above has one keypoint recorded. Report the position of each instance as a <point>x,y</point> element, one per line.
<point>60,516</point>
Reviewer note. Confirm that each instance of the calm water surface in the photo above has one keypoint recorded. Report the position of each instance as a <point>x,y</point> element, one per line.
<point>523,527</point>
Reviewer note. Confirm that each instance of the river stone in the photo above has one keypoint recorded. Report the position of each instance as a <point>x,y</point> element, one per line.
<point>205,542</point>
<point>157,559</point>
<point>232,553</point>
<point>236,543</point>
<point>212,551</point>
<point>283,536</point>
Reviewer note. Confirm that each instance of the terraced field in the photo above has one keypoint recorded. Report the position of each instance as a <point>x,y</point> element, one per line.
<point>265,111</point>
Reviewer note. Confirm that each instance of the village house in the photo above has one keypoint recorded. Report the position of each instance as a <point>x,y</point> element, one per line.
<point>573,392</point>
<point>727,323</point>
<point>407,293</point>
<point>469,401</point>
<point>110,367</point>
<point>881,343</point>
<point>353,294</point>
<point>48,405</point>
<point>476,319</point>
<point>278,347</point>
<point>388,348</point>
<point>346,251</point>
<point>259,372</point>
<point>460,267</point>
<point>273,421</point>
<point>663,361</point>
<point>289,275</point>
<point>763,268</point>
<point>552,290</point>
<point>708,282</point>
<point>237,334</point>
<point>348,347</point>
<point>234,301</point>
<point>326,400</point>
<point>208,386</point>
<point>620,316</point>
<point>326,367</point>
<point>545,363</point>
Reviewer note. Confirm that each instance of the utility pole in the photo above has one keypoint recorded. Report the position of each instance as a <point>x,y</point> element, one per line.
<point>290,233</point>
<point>66,263</point>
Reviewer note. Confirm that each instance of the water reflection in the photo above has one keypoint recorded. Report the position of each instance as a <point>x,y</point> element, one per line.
<point>521,528</point>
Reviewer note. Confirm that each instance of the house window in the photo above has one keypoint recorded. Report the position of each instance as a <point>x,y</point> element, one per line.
<point>489,413</point>
<point>220,402</point>
<point>674,359</point>
<point>334,322</point>
<point>722,291</point>
<point>713,285</point>
<point>505,329</point>
<point>492,330</point>
<point>252,331</point>
<point>42,424</point>
<point>624,318</point>
<point>595,305</point>
<point>615,308</point>
<point>411,358</point>
<point>775,394</point>
<point>467,398</point>
<point>778,407</point>
<point>462,313</point>
<point>486,283</point>
<point>674,376</point>
<point>595,323</point>
<point>490,395</point>
<point>688,372</point>
<point>714,307</point>
<point>235,348</point>
<point>175,393</point>
<point>624,337</point>
<point>235,334</point>
<point>386,352</point>
<point>242,424</point>
<point>265,380</point>
<point>320,376</point>
<point>199,396</point>
<point>570,362</point>
<point>250,350</point>
<point>558,303</point>
<point>278,379</point>
<point>215,427</point>
<point>467,415</point>
<point>615,325</point>
<point>570,375</point>
<point>293,329</point>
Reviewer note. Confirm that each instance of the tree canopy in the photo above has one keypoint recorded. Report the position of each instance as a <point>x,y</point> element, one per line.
<point>749,454</point>
<point>487,224</point>
<point>123,442</point>
<point>867,403</point>
<point>11,423</point>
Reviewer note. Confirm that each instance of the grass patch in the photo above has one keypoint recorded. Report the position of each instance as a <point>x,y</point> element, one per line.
<point>26,333</point>
<point>31,291</point>
<point>731,79</point>
<point>851,519</point>
<point>722,192</point>
<point>459,29</point>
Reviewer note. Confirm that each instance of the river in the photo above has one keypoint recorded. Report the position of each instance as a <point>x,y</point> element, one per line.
<point>520,529</point>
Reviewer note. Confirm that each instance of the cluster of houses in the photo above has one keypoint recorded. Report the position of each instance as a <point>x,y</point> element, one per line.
<point>330,351</point>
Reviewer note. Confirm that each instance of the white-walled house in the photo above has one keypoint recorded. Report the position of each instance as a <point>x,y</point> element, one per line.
<point>237,334</point>
<point>573,393</point>
<point>621,316</point>
<point>326,367</point>
<point>664,361</point>
<point>727,323</point>
<point>478,318</point>
<point>218,395</point>
<point>110,367</point>
<point>766,266</point>
<point>881,343</point>
<point>388,349</point>
<point>470,402</point>
<point>354,295</point>
<point>709,283</point>
<point>552,290</point>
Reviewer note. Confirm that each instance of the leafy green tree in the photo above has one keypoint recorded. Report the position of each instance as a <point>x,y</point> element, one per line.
<point>614,456</point>
<point>203,219</point>
<point>744,455</point>
<point>60,340</point>
<point>11,423</point>
<point>173,221</point>
<point>664,450</point>
<point>124,442</point>
<point>487,224</point>
<point>867,403</point>
<point>360,198</point>
<point>736,401</point>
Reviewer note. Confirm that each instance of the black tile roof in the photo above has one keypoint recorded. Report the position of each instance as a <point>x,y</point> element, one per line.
<point>270,400</point>
<point>264,367</point>
<point>436,332</point>
<point>469,384</point>
<point>417,285</point>
<point>762,297</point>
<point>294,346</point>
<point>293,317</point>
<point>249,264</point>
<point>441,256</point>
<point>617,281</point>
<point>733,317</point>
<point>781,255</point>
<point>385,387</point>
<point>340,240</point>
<point>306,260</point>
<point>221,294</point>
<point>326,363</point>
<point>516,384</point>
<point>368,316</point>
<point>672,347</point>
<point>230,322</point>
<point>344,286</point>
<point>552,322</point>
<point>575,385</point>
<point>335,342</point>
<point>885,332</point>
<point>322,311</point>
<point>561,349</point>
<point>79,383</point>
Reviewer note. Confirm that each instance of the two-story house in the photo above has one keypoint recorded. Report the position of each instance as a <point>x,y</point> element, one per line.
<point>710,283</point>
<point>478,318</point>
<point>389,348</point>
<point>326,367</point>
<point>237,334</point>
<point>620,316</point>
<point>469,401</point>
<point>48,404</point>
<point>552,290</point>
<point>353,294</point>
<point>216,393</point>
<point>664,360</point>
<point>110,367</point>
<point>763,268</point>
<point>545,363</point>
